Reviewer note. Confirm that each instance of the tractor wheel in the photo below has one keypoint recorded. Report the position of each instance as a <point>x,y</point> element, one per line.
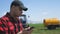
<point>51,27</point>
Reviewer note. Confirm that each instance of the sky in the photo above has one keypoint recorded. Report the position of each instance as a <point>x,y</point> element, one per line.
<point>37,9</point>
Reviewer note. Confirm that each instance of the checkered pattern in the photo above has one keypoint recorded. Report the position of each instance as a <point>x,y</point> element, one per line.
<point>9,26</point>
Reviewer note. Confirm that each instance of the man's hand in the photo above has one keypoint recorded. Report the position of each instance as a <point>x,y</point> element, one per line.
<point>19,32</point>
<point>26,31</point>
<point>29,31</point>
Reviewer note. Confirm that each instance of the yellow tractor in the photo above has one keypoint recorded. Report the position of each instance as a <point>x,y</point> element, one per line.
<point>51,23</point>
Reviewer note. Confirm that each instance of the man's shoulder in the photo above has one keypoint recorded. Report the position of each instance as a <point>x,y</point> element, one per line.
<point>4,18</point>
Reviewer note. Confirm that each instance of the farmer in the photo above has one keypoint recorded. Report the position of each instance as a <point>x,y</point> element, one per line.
<point>10,23</point>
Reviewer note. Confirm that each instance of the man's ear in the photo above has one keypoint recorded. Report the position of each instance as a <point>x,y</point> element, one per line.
<point>13,8</point>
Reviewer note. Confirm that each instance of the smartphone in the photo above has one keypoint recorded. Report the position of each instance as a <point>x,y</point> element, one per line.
<point>31,28</point>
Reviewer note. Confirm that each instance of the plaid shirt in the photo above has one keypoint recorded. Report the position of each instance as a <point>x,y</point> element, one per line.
<point>8,25</point>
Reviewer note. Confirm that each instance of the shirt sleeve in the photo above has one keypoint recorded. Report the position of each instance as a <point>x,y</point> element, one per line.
<point>2,28</point>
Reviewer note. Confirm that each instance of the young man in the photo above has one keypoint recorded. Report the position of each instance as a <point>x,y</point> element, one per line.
<point>10,23</point>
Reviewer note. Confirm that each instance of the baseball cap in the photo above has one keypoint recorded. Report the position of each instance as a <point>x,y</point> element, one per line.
<point>20,4</point>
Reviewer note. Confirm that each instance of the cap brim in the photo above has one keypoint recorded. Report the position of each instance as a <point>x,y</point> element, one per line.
<point>24,8</point>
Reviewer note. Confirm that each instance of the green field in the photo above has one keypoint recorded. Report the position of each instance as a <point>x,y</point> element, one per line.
<point>40,29</point>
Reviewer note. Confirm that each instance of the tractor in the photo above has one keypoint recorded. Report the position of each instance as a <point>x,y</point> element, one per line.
<point>24,20</point>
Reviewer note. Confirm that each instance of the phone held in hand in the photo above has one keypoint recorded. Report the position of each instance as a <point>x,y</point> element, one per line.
<point>30,28</point>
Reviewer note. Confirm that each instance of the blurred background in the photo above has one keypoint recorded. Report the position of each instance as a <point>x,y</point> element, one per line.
<point>37,9</point>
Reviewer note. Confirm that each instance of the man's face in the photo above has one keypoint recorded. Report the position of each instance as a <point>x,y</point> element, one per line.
<point>17,11</point>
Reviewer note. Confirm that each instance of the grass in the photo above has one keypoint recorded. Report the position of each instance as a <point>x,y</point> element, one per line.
<point>40,29</point>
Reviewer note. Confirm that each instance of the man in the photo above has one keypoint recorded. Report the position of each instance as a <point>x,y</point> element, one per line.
<point>10,23</point>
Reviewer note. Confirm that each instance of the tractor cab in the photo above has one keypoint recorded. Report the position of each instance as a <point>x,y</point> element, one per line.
<point>24,20</point>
